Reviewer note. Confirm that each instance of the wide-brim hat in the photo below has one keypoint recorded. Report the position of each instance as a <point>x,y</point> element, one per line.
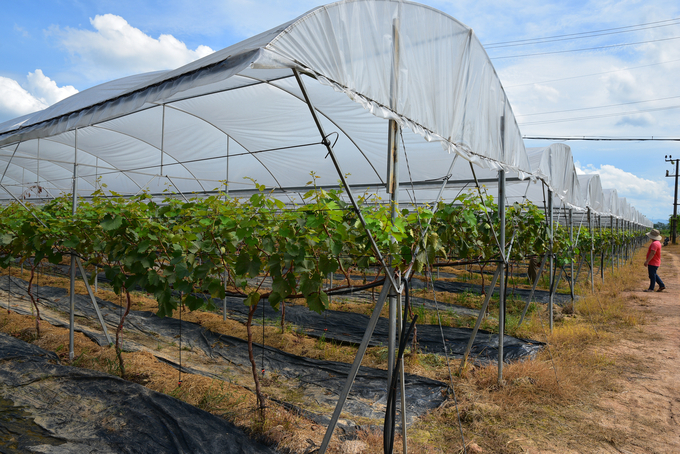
<point>655,235</point>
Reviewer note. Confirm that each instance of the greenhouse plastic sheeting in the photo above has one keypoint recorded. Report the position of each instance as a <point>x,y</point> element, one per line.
<point>611,202</point>
<point>51,408</point>
<point>239,112</point>
<point>591,192</point>
<point>554,165</point>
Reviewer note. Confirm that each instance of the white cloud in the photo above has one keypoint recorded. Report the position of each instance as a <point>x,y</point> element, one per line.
<point>116,49</point>
<point>639,120</point>
<point>650,197</point>
<point>46,90</point>
<point>38,92</point>
<point>15,100</point>
<point>22,31</point>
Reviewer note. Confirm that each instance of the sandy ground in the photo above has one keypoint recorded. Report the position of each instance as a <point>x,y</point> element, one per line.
<point>646,409</point>
<point>641,414</point>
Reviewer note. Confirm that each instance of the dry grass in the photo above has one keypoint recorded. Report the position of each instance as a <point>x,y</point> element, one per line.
<point>544,402</point>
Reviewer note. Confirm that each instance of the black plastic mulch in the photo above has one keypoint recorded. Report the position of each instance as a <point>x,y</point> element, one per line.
<point>51,408</point>
<point>349,327</point>
<point>423,394</point>
<point>540,296</point>
<point>416,282</point>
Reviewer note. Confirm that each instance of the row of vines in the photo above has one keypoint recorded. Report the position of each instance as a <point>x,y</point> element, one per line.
<point>181,250</point>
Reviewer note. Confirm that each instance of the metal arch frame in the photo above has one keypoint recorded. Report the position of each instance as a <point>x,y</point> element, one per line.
<point>26,169</point>
<point>348,136</point>
<point>4,174</point>
<point>115,168</point>
<point>295,96</point>
<point>272,84</point>
<point>175,108</point>
<point>170,104</point>
<point>61,165</point>
<point>58,163</point>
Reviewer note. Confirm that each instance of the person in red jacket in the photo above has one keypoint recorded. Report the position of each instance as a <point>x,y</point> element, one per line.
<point>653,261</point>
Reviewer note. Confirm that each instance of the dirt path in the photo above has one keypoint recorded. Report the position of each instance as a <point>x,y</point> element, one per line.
<point>643,414</point>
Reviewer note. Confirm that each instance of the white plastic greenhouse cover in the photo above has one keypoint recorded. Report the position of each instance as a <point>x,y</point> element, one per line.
<point>611,202</point>
<point>554,166</point>
<point>239,113</point>
<point>591,192</point>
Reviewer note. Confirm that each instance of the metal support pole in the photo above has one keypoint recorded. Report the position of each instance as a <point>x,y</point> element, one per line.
<point>578,270</point>
<point>571,248</point>
<point>674,220</point>
<point>72,287</point>
<point>226,179</point>
<point>599,228</point>
<point>355,366</point>
<point>395,309</point>
<point>391,281</point>
<point>592,248</point>
<point>504,267</point>
<point>552,257</point>
<point>330,297</point>
<point>675,204</point>
<point>480,317</point>
<point>611,230</point>
<point>533,289</point>
<point>345,184</point>
<point>618,247</point>
<point>162,138</point>
<point>93,299</point>
<point>393,178</point>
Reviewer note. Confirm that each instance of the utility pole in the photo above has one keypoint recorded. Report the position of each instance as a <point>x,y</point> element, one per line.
<point>674,221</point>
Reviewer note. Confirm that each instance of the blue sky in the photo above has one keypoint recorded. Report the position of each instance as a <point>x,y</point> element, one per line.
<point>58,47</point>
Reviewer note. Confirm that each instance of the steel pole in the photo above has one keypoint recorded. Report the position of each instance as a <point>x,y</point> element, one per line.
<point>552,257</point>
<point>611,230</point>
<point>503,268</point>
<point>674,233</point>
<point>72,286</point>
<point>480,317</point>
<point>224,300</point>
<point>395,307</point>
<point>94,300</point>
<point>592,249</point>
<point>393,178</point>
<point>343,180</point>
<point>618,247</point>
<point>355,366</point>
<point>571,249</point>
<point>599,231</point>
<point>533,289</point>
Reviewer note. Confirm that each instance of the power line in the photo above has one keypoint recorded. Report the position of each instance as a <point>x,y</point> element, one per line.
<point>587,48</point>
<point>598,107</point>
<point>592,74</point>
<point>583,35</point>
<point>604,138</point>
<point>592,117</point>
